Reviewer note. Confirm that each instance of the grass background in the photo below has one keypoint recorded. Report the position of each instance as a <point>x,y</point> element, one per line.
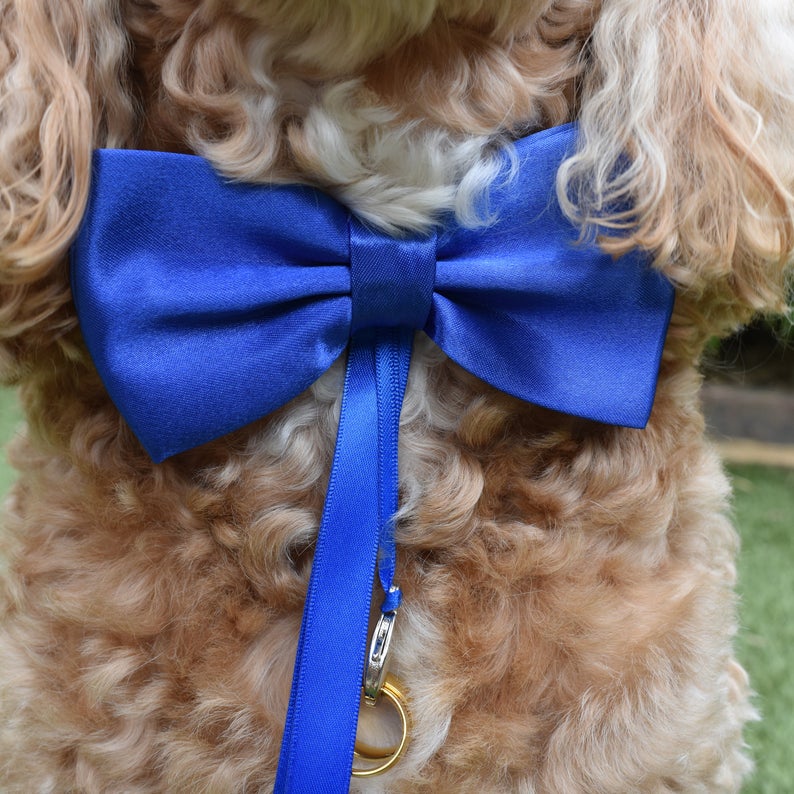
<point>10,418</point>
<point>764,507</point>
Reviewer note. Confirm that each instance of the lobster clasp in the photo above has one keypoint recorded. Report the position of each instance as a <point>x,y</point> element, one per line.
<point>377,682</point>
<point>377,661</point>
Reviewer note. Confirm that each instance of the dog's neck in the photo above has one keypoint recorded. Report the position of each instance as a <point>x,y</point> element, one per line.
<point>401,133</point>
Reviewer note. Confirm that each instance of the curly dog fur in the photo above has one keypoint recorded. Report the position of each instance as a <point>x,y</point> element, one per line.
<point>569,586</point>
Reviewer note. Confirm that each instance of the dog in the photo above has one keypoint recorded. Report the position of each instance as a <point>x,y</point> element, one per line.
<point>568,584</point>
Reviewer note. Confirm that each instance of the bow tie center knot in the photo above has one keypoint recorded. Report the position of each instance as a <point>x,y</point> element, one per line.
<point>391,279</point>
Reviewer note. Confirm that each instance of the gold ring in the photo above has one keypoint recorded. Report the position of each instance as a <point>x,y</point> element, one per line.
<point>387,757</point>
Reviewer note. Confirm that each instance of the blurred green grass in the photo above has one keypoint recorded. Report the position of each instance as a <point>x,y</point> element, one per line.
<point>10,419</point>
<point>764,508</point>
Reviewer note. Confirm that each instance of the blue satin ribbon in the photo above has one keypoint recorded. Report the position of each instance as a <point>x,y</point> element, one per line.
<point>207,304</point>
<point>320,730</point>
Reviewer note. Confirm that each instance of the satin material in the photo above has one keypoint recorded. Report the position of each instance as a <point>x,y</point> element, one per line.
<point>207,304</point>
<point>175,268</point>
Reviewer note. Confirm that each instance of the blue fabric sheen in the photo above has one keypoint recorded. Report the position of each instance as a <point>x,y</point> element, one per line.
<point>264,281</point>
<point>207,304</point>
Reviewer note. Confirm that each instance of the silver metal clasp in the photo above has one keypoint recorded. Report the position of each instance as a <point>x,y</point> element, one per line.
<point>377,662</point>
<point>377,682</point>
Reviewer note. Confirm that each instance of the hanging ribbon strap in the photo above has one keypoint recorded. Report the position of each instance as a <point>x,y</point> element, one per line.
<point>206,305</point>
<point>391,289</point>
<point>317,750</point>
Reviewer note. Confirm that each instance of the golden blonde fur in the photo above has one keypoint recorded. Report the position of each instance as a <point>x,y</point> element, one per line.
<point>569,586</point>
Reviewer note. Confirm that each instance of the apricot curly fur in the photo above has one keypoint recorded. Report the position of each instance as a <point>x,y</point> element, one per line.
<point>569,607</point>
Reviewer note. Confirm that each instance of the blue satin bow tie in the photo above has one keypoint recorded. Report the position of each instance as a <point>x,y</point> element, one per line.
<point>206,305</point>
